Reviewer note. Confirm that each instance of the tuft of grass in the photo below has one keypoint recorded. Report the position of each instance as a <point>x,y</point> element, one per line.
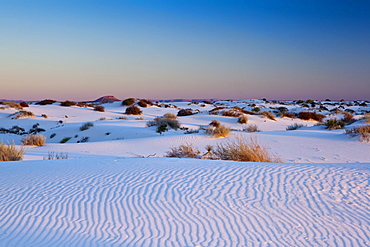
<point>304,115</point>
<point>15,105</point>
<point>183,151</point>
<point>99,108</point>
<point>86,126</point>
<point>139,118</point>
<point>243,119</point>
<point>269,115</point>
<point>122,118</point>
<point>362,131</point>
<point>65,139</point>
<point>21,114</point>
<point>367,117</point>
<point>245,150</point>
<point>34,140</point>
<point>52,135</point>
<point>295,126</point>
<point>133,110</point>
<point>218,132</point>
<point>46,102</point>
<point>10,152</point>
<point>332,124</point>
<point>56,156</point>
<point>251,128</point>
<point>169,122</point>
<point>215,123</point>
<point>169,116</point>
<point>348,117</point>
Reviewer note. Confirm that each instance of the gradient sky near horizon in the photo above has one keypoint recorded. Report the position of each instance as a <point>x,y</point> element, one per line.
<point>157,49</point>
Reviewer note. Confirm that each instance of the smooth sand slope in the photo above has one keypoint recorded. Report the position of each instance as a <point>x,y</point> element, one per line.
<point>183,202</point>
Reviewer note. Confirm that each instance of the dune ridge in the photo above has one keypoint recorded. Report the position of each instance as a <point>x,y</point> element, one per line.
<point>183,202</point>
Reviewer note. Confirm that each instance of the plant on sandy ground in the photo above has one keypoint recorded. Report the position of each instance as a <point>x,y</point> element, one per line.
<point>128,101</point>
<point>158,121</point>
<point>24,104</point>
<point>144,103</point>
<point>162,128</point>
<point>34,140</point>
<point>86,126</point>
<point>185,112</point>
<point>367,117</point>
<point>46,102</point>
<point>251,128</point>
<point>232,113</point>
<point>243,119</point>
<point>139,118</point>
<point>15,105</point>
<point>169,116</point>
<point>122,118</point>
<point>133,110</point>
<point>68,103</point>
<point>10,152</point>
<point>304,115</point>
<point>256,109</point>
<point>183,151</point>
<point>83,139</point>
<point>287,114</point>
<point>56,156</point>
<point>215,123</point>
<point>99,108</point>
<point>65,139</point>
<point>362,131</point>
<point>218,132</point>
<point>295,126</point>
<point>334,124</point>
<point>348,117</point>
<point>241,149</point>
<point>52,136</point>
<point>269,115</point>
<point>21,114</point>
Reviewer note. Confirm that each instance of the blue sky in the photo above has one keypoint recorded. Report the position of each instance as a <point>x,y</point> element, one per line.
<point>81,50</point>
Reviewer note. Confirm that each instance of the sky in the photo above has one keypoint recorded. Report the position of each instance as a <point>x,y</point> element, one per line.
<point>169,49</point>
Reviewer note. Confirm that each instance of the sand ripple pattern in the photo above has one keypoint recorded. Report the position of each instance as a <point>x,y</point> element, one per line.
<point>183,202</point>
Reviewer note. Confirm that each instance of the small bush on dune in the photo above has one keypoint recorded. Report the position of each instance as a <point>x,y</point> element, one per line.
<point>169,116</point>
<point>348,117</point>
<point>218,132</point>
<point>13,105</point>
<point>99,108</point>
<point>269,115</point>
<point>158,121</point>
<point>287,114</point>
<point>68,103</point>
<point>144,103</point>
<point>215,123</point>
<point>34,140</point>
<point>311,115</point>
<point>46,102</point>
<point>65,139</point>
<point>128,101</point>
<point>86,126</point>
<point>295,126</point>
<point>334,124</point>
<point>10,152</point>
<point>56,156</point>
<point>185,112</point>
<point>133,110</point>
<point>362,131</point>
<point>21,114</point>
<point>367,117</point>
<point>251,128</point>
<point>243,119</point>
<point>231,113</point>
<point>245,150</point>
<point>23,104</point>
<point>183,151</point>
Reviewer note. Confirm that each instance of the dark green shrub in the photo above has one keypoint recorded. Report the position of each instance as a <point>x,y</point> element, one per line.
<point>183,151</point>
<point>65,139</point>
<point>295,126</point>
<point>86,126</point>
<point>334,124</point>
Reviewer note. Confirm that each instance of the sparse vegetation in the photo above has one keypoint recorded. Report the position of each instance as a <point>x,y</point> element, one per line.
<point>144,103</point>
<point>52,136</point>
<point>169,116</point>
<point>139,118</point>
<point>133,110</point>
<point>251,128</point>
<point>10,152</point>
<point>128,101</point>
<point>68,103</point>
<point>46,102</point>
<point>295,126</point>
<point>245,150</point>
<point>185,112</point>
<point>362,131</point>
<point>218,132</point>
<point>122,118</point>
<point>183,151</point>
<point>334,124</point>
<point>56,156</point>
<point>21,114</point>
<point>348,117</point>
<point>23,104</point>
<point>367,117</point>
<point>159,121</point>
<point>243,119</point>
<point>269,115</point>
<point>15,105</point>
<point>215,123</point>
<point>34,140</point>
<point>86,126</point>
<point>311,115</point>
<point>99,108</point>
<point>65,139</point>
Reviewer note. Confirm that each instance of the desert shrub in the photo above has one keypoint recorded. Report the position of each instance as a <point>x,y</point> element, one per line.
<point>362,131</point>
<point>128,101</point>
<point>68,103</point>
<point>251,128</point>
<point>256,109</point>
<point>34,140</point>
<point>185,112</point>
<point>102,118</point>
<point>56,156</point>
<point>36,129</point>
<point>304,115</point>
<point>13,130</point>
<point>183,151</point>
<point>245,150</point>
<point>13,105</point>
<point>348,117</point>
<point>218,132</point>
<point>44,115</point>
<point>159,121</point>
<point>83,139</point>
<point>231,113</point>
<point>334,124</point>
<point>295,126</point>
<point>86,126</point>
<point>52,136</point>
<point>367,117</point>
<point>269,115</point>
<point>287,114</point>
<point>99,108</point>
<point>133,110</point>
<point>23,104</point>
<point>144,103</point>
<point>162,128</point>
<point>10,152</point>
<point>46,102</point>
<point>169,116</point>
<point>21,114</point>
<point>122,118</point>
<point>215,123</point>
<point>65,139</point>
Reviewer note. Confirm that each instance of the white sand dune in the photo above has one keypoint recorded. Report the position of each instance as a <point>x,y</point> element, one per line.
<point>183,202</point>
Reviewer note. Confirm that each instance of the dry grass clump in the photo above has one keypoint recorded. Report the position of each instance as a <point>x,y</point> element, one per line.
<point>362,131</point>
<point>170,116</point>
<point>185,112</point>
<point>332,124</point>
<point>68,103</point>
<point>183,151</point>
<point>348,117</point>
<point>218,132</point>
<point>304,115</point>
<point>269,115</point>
<point>232,113</point>
<point>99,108</point>
<point>245,150</point>
<point>15,105</point>
<point>133,110</point>
<point>367,117</point>
<point>251,128</point>
<point>295,126</point>
<point>287,114</point>
<point>10,152</point>
<point>215,123</point>
<point>21,114</point>
<point>243,119</point>
<point>34,140</point>
<point>162,121</point>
